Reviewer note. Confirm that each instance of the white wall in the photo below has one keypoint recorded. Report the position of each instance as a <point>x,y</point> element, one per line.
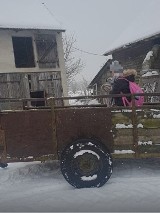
<point>61,61</point>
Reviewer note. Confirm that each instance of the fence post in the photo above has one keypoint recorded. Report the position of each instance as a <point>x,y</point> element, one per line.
<point>135,130</point>
<point>3,148</point>
<point>54,135</point>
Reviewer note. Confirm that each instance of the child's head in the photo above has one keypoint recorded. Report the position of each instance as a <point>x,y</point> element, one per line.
<point>128,72</point>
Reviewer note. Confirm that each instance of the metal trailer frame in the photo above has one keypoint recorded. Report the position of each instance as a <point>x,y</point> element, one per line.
<point>42,133</point>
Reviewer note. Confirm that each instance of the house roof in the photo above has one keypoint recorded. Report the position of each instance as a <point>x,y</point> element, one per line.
<point>100,73</point>
<point>36,27</point>
<point>27,14</point>
<point>144,24</point>
<point>127,45</point>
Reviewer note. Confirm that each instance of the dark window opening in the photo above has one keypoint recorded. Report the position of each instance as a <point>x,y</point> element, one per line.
<point>29,81</point>
<point>29,77</point>
<point>30,86</point>
<point>37,94</point>
<point>23,52</point>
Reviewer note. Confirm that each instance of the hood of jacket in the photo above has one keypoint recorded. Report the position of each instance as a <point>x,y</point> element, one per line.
<point>130,78</point>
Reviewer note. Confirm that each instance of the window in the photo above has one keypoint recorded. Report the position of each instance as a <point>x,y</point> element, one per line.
<point>95,89</point>
<point>37,94</point>
<point>47,51</point>
<point>23,52</point>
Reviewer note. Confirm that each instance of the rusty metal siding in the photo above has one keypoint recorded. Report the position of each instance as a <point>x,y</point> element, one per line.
<point>41,132</point>
<point>2,141</point>
<point>88,122</point>
<point>27,133</point>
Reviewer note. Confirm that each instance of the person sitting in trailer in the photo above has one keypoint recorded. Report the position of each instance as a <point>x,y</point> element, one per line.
<point>121,86</point>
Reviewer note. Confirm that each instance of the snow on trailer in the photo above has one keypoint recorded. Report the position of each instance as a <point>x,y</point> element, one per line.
<point>85,138</point>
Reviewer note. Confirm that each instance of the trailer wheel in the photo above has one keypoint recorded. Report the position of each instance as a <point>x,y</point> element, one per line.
<point>3,165</point>
<point>86,163</point>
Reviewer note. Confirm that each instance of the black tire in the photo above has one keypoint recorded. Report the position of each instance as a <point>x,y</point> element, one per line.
<point>3,165</point>
<point>86,163</point>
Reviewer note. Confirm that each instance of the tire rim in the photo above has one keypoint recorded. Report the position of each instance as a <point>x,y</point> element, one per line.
<point>86,164</point>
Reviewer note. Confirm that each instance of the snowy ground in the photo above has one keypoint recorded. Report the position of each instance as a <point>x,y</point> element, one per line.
<point>34,186</point>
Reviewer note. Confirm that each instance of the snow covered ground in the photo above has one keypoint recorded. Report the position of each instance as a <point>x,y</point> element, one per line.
<point>81,101</point>
<point>34,186</point>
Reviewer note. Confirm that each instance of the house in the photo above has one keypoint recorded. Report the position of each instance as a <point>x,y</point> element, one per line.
<point>31,62</point>
<point>142,55</point>
<point>100,78</point>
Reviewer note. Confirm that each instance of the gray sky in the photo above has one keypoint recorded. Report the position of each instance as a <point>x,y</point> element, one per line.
<point>98,25</point>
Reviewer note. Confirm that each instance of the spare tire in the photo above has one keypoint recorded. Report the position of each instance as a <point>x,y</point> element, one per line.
<point>86,163</point>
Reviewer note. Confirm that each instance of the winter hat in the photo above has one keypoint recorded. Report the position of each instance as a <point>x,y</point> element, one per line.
<point>116,67</point>
<point>128,72</point>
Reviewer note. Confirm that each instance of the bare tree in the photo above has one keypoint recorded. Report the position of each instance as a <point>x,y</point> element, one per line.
<point>84,86</point>
<point>73,65</point>
<point>80,86</point>
<point>73,86</point>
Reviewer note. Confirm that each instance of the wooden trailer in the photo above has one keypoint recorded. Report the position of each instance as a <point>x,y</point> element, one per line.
<point>85,138</point>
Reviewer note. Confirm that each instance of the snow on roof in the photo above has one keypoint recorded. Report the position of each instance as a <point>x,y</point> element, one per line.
<point>150,73</point>
<point>148,56</point>
<point>110,51</point>
<point>144,26</point>
<point>27,14</point>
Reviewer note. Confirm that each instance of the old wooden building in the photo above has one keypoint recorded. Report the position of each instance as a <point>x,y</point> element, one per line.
<point>142,55</point>
<point>31,64</point>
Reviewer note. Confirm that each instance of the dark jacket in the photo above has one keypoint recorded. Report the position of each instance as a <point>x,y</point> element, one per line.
<point>122,86</point>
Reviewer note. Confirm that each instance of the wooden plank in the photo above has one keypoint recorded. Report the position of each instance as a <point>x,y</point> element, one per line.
<point>34,81</point>
<point>123,140</point>
<point>47,50</point>
<point>124,147</point>
<point>141,155</point>
<point>149,149</point>
<point>149,155</point>
<point>51,83</point>
<point>126,155</point>
<point>124,132</point>
<point>149,132</point>
<point>155,139</point>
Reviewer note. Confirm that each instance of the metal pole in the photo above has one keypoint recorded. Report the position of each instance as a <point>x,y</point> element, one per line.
<point>135,130</point>
<point>54,135</point>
